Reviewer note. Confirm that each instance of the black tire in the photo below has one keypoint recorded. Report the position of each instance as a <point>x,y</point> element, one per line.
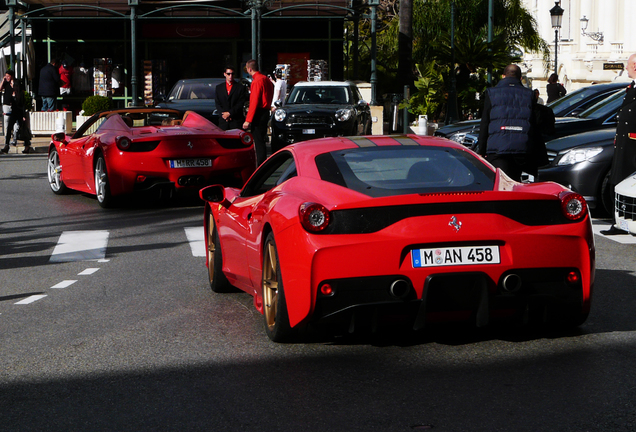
<point>218,281</point>
<point>275,313</point>
<point>54,171</point>
<point>102,184</point>
<point>606,199</point>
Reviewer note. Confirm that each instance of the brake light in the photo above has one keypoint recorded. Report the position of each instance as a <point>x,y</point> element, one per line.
<point>123,143</point>
<point>247,139</point>
<point>314,217</point>
<point>573,205</point>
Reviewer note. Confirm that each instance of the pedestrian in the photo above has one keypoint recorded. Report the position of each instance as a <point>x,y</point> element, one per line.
<point>537,96</point>
<point>554,88</point>
<point>6,88</point>
<point>49,88</point>
<point>18,115</point>
<point>66,78</point>
<point>230,99</point>
<point>507,133</point>
<point>261,93</point>
<point>624,160</point>
<point>280,89</point>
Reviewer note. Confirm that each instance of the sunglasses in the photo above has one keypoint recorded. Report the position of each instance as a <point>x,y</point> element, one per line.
<point>229,73</point>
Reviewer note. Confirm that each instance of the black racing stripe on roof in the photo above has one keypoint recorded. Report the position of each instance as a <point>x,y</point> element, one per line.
<point>362,142</point>
<point>373,219</point>
<point>405,140</point>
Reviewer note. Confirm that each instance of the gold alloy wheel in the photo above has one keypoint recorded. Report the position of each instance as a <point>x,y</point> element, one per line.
<point>270,285</point>
<point>211,247</point>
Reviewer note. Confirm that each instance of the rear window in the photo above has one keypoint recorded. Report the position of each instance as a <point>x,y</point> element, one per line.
<point>193,90</point>
<point>390,171</point>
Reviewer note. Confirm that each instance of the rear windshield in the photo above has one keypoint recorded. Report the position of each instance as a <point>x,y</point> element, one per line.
<point>193,90</point>
<point>390,171</point>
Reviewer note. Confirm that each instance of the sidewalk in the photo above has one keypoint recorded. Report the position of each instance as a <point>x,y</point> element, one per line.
<point>39,143</point>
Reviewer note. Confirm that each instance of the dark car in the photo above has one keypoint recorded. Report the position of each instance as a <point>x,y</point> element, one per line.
<point>577,101</point>
<point>582,163</point>
<point>320,109</point>
<point>196,95</point>
<point>571,105</point>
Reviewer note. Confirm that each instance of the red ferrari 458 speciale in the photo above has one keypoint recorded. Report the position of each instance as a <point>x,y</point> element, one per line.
<point>119,152</point>
<point>351,230</point>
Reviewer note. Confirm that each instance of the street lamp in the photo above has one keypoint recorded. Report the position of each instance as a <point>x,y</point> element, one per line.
<point>597,36</point>
<point>556,13</point>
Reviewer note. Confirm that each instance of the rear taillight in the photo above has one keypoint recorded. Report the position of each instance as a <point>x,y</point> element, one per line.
<point>314,217</point>
<point>123,143</point>
<point>573,205</point>
<point>247,139</point>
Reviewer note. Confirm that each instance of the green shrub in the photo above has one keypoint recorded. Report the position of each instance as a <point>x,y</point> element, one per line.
<point>28,101</point>
<point>94,104</point>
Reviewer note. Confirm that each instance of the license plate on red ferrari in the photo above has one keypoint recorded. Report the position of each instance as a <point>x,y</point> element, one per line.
<point>309,131</point>
<point>466,255</point>
<point>190,163</point>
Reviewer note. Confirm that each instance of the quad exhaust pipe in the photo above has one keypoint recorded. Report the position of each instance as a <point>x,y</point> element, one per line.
<point>400,288</point>
<point>511,283</point>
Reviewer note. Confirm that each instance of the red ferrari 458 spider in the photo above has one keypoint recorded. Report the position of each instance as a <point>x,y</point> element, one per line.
<point>356,229</point>
<point>141,149</point>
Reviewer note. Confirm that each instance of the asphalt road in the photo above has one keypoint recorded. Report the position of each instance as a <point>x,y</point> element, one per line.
<point>136,341</point>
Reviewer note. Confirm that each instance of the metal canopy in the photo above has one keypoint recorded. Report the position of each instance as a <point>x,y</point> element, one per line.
<point>24,11</point>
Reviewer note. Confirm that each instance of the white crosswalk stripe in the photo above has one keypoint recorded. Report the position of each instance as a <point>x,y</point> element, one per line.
<point>196,237</point>
<point>80,246</point>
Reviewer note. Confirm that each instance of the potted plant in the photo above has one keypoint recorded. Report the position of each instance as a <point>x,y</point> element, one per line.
<point>91,105</point>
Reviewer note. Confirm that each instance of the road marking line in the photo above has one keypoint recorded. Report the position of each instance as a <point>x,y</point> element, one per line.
<point>88,271</point>
<point>196,237</point>
<point>64,284</point>
<point>626,238</point>
<point>31,299</point>
<point>80,246</point>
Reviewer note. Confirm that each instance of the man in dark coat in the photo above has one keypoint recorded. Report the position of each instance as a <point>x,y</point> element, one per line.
<point>507,130</point>
<point>624,161</point>
<point>49,88</point>
<point>230,98</point>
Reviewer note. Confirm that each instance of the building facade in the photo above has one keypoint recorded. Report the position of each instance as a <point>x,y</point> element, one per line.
<point>596,37</point>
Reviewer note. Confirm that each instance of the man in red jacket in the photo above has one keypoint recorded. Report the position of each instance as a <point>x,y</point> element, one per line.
<point>261,93</point>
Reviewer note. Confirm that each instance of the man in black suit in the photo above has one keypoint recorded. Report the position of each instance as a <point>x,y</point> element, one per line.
<point>624,161</point>
<point>230,98</point>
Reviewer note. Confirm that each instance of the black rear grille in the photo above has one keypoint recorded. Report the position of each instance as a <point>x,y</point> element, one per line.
<point>231,143</point>
<point>143,146</point>
<point>626,207</point>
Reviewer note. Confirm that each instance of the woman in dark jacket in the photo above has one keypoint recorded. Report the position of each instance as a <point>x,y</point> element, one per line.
<point>554,89</point>
<point>18,114</point>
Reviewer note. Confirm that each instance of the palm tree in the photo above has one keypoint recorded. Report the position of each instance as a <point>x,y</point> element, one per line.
<point>514,28</point>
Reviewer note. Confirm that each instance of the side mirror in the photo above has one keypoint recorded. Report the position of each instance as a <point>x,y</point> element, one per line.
<point>213,194</point>
<point>60,137</point>
<point>278,103</point>
<point>363,103</point>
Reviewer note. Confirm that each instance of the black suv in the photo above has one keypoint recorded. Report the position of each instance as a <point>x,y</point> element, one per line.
<point>320,109</point>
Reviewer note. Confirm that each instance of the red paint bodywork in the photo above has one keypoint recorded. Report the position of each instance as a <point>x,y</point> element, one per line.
<point>194,137</point>
<point>308,259</point>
